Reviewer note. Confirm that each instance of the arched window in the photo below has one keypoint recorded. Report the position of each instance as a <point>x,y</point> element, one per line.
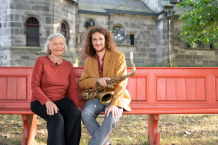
<point>118,33</point>
<point>32,32</point>
<point>89,23</point>
<point>64,31</point>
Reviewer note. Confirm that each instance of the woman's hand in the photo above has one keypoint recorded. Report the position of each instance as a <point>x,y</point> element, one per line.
<point>102,81</point>
<point>51,108</point>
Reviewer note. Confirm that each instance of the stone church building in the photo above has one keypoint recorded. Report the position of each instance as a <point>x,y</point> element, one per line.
<point>150,28</point>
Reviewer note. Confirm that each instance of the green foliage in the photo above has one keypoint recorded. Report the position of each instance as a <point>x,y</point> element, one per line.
<point>201,21</point>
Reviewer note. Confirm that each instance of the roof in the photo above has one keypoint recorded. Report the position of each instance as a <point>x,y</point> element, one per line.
<point>114,6</point>
<point>73,1</point>
<point>178,11</point>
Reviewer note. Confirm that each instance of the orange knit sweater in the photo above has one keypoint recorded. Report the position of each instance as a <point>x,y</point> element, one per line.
<point>51,81</point>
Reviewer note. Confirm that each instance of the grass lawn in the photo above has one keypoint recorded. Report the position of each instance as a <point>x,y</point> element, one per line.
<point>176,129</point>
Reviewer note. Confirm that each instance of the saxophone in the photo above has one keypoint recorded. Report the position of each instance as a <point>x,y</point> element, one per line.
<point>99,91</point>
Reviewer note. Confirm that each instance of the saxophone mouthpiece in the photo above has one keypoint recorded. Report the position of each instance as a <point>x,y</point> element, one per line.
<point>131,55</point>
<point>133,65</point>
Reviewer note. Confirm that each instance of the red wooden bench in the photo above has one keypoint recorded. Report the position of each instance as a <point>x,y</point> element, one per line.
<point>154,91</point>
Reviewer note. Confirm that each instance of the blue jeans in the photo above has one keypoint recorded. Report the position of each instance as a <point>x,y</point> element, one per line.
<point>90,112</point>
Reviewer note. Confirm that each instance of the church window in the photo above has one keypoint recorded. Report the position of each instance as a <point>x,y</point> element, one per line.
<point>32,32</point>
<point>64,31</point>
<point>132,39</point>
<point>89,23</point>
<point>118,33</point>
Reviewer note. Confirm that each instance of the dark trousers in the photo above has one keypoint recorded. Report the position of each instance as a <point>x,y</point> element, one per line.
<point>64,127</point>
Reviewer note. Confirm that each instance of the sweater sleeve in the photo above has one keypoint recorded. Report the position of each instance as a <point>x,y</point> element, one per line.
<point>35,83</point>
<point>72,88</point>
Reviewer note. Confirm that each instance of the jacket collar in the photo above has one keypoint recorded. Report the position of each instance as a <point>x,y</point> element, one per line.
<point>95,66</point>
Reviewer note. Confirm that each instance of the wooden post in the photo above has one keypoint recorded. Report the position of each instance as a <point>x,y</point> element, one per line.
<point>25,128</point>
<point>153,135</point>
<point>29,129</point>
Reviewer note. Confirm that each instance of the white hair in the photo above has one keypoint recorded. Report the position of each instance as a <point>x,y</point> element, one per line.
<point>51,37</point>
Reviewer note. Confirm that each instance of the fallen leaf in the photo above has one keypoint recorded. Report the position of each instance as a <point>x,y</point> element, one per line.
<point>142,118</point>
<point>13,121</point>
<point>41,132</point>
<point>187,132</point>
<point>6,135</point>
<point>192,120</point>
<point>17,132</point>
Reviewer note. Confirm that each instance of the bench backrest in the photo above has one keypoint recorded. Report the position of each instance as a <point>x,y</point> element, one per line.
<point>154,90</point>
<point>15,88</point>
<point>171,90</point>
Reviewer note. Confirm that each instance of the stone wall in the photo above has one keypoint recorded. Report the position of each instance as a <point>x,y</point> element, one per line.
<point>66,12</point>
<point>100,20</point>
<point>26,56</point>
<point>50,15</point>
<point>184,56</point>
<point>19,56</point>
<point>143,27</point>
<point>4,8</point>
<point>14,17</point>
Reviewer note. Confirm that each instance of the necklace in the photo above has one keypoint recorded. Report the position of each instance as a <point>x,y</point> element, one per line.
<point>57,62</point>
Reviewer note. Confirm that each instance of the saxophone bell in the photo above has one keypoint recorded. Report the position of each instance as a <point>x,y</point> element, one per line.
<point>105,97</point>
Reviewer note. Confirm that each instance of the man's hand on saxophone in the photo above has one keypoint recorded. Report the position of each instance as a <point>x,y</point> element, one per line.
<point>102,81</point>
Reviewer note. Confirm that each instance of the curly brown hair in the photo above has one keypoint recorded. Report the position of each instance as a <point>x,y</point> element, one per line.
<point>87,42</point>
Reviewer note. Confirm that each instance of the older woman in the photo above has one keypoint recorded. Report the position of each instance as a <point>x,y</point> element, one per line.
<point>53,78</point>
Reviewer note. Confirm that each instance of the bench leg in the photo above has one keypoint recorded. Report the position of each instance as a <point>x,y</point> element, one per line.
<point>153,135</point>
<point>29,129</point>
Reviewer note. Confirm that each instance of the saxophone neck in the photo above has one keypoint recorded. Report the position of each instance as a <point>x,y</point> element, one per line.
<point>133,67</point>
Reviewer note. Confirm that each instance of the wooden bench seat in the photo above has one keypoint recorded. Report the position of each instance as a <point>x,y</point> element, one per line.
<point>154,91</point>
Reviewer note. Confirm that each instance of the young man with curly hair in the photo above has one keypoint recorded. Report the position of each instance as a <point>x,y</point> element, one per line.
<point>103,63</point>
